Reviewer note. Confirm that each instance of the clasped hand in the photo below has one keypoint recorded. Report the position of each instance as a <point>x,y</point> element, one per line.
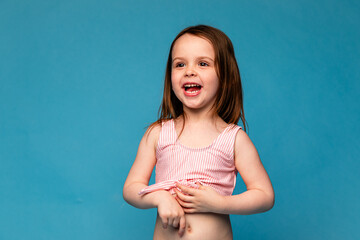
<point>170,212</point>
<point>189,200</point>
<point>202,199</point>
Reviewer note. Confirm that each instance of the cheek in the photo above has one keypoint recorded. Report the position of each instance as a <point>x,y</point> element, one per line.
<point>175,79</point>
<point>174,85</point>
<point>215,82</point>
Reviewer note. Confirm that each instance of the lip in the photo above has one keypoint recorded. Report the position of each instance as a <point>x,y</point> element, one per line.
<point>191,83</point>
<point>189,94</point>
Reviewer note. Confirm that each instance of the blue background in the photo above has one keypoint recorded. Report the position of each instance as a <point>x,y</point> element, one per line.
<point>80,81</point>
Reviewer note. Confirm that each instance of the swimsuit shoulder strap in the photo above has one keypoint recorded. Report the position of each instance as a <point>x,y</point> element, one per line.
<point>167,134</point>
<point>226,140</point>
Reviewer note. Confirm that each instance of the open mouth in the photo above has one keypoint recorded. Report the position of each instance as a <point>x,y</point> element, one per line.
<point>192,88</point>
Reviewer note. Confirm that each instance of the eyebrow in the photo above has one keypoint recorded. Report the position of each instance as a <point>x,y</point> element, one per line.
<point>200,57</point>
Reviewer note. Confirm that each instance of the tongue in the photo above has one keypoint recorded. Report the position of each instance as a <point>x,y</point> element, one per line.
<point>191,89</point>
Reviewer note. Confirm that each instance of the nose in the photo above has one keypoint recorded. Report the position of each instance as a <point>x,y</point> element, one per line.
<point>190,72</point>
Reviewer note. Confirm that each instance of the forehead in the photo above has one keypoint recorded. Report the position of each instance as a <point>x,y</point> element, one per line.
<point>189,44</point>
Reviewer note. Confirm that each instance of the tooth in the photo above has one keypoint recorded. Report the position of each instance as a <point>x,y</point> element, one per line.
<point>192,85</point>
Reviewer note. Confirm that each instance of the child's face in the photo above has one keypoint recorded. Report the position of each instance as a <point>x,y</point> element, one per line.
<point>193,76</point>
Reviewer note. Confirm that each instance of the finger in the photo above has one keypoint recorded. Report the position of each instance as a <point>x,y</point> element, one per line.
<point>199,184</point>
<point>183,197</point>
<point>189,210</point>
<point>164,222</point>
<point>186,190</point>
<point>184,204</point>
<point>175,223</point>
<point>170,221</point>
<point>182,226</point>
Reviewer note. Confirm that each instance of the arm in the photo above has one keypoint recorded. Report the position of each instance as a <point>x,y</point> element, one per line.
<point>140,172</point>
<point>170,212</point>
<point>259,196</point>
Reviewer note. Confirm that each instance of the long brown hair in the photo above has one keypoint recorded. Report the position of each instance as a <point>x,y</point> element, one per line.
<point>229,98</point>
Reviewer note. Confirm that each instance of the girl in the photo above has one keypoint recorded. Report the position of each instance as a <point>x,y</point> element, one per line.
<point>197,147</point>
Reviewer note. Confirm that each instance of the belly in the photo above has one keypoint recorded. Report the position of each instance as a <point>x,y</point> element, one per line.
<point>199,226</point>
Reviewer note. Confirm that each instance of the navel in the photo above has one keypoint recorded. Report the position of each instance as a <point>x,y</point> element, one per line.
<point>188,228</point>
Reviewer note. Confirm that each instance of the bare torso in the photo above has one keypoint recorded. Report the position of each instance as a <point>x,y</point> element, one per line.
<point>207,226</point>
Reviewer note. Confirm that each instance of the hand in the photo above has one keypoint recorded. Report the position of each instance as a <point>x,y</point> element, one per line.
<point>170,212</point>
<point>203,199</point>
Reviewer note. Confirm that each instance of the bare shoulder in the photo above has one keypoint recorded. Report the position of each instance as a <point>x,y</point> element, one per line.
<point>242,140</point>
<point>152,134</point>
<point>244,148</point>
<point>145,158</point>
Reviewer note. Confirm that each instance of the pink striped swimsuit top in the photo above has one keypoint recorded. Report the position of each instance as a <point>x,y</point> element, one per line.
<point>212,165</point>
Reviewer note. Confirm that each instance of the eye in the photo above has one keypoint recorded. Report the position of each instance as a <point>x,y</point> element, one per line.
<point>203,64</point>
<point>179,65</point>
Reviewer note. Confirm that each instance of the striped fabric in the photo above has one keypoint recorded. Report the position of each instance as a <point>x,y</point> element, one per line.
<point>212,165</point>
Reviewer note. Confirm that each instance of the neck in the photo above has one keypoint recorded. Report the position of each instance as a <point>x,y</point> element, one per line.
<point>197,116</point>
